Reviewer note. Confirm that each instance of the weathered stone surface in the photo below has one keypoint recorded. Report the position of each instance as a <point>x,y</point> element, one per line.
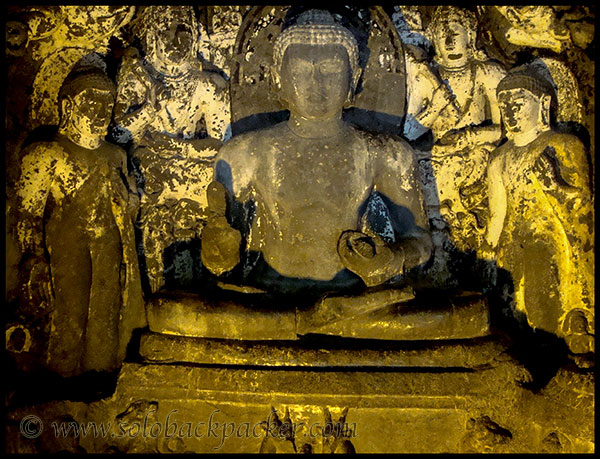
<point>332,309</point>
<point>298,230</point>
<point>167,104</point>
<point>383,314</point>
<point>379,106</point>
<point>76,205</point>
<point>534,26</point>
<point>213,409</point>
<point>541,209</point>
<point>160,348</point>
<point>59,37</point>
<point>192,315</point>
<point>436,395</point>
<point>218,32</point>
<point>454,318</point>
<point>455,98</point>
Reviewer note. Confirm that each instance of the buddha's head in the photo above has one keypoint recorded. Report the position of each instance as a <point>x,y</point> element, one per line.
<point>169,35</point>
<point>525,98</point>
<point>86,100</point>
<point>453,32</point>
<point>315,66</point>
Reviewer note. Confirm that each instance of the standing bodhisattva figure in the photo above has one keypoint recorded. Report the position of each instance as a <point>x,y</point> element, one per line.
<point>76,208</point>
<point>542,212</point>
<point>462,112</point>
<point>177,115</point>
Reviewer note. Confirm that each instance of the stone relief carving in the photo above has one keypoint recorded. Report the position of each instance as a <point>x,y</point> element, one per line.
<point>297,434</point>
<point>541,211</point>
<point>292,206</point>
<point>307,237</point>
<point>176,114</point>
<point>459,106</point>
<point>379,104</point>
<point>43,45</point>
<point>218,34</point>
<point>60,36</point>
<point>75,228</point>
<point>535,26</point>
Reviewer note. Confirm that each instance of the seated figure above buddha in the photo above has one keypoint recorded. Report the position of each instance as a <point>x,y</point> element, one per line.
<point>312,203</point>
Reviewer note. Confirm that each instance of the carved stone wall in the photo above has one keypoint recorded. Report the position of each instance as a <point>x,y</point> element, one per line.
<point>493,353</point>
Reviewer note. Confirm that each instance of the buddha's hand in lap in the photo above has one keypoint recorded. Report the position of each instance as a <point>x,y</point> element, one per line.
<point>220,242</point>
<point>369,257</point>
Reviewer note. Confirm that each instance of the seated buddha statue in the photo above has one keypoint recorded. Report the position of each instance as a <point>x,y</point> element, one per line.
<point>313,204</point>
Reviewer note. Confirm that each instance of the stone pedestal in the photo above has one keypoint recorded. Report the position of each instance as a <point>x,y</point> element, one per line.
<point>337,354</point>
<point>377,314</point>
<point>242,409</point>
<point>449,386</point>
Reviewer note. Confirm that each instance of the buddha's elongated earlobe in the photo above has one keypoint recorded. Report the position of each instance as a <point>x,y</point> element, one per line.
<point>275,86</point>
<point>65,113</point>
<point>545,104</point>
<point>350,99</point>
<point>352,91</point>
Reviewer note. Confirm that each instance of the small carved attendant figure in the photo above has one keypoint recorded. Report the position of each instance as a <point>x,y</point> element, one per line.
<point>169,105</point>
<point>76,210</point>
<point>305,183</point>
<point>465,126</point>
<point>541,212</point>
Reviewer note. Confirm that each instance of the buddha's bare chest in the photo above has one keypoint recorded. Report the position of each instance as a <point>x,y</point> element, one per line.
<point>319,177</point>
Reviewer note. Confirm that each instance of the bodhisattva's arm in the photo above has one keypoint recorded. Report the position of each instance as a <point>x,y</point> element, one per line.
<point>38,169</point>
<point>217,111</point>
<point>489,131</point>
<point>490,75</point>
<point>136,104</point>
<point>428,97</point>
<point>131,196</point>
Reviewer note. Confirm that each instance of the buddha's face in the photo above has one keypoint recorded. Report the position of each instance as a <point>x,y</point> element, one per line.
<point>452,45</point>
<point>521,110</point>
<point>315,80</point>
<point>90,112</point>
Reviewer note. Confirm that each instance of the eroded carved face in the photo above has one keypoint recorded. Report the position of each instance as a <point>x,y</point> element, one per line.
<point>174,44</point>
<point>521,110</point>
<point>91,112</point>
<point>452,45</point>
<point>315,80</point>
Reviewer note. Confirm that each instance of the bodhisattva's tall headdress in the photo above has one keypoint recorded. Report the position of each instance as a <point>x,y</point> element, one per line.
<point>317,27</point>
<point>156,19</point>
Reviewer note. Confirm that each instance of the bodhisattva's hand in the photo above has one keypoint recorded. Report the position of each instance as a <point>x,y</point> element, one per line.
<point>369,257</point>
<point>159,95</point>
<point>220,242</point>
<point>459,138</point>
<point>441,97</point>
